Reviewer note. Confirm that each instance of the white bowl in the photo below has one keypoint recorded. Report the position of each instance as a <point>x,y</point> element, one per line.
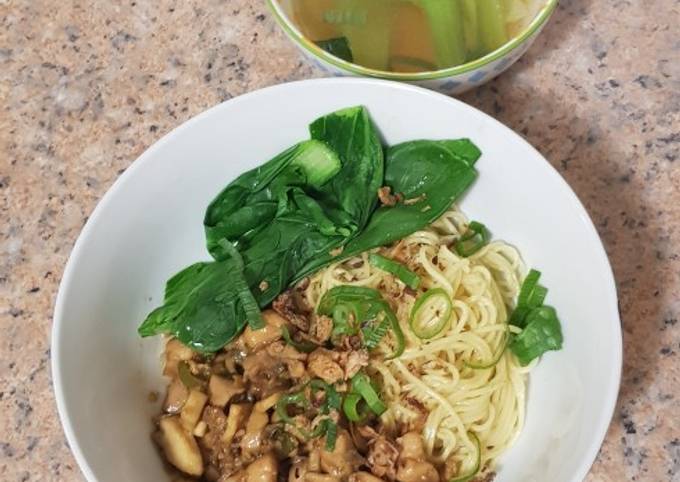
<point>149,225</point>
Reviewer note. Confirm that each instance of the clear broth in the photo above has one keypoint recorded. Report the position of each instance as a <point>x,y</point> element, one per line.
<point>413,35</point>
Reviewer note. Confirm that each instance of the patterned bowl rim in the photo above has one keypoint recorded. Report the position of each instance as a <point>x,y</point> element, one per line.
<point>306,44</point>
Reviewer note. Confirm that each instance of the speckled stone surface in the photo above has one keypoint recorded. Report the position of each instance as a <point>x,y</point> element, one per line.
<point>86,87</point>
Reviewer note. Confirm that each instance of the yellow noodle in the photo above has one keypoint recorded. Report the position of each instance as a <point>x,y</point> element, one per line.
<point>488,402</point>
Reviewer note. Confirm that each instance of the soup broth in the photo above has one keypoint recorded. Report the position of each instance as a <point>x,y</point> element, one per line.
<point>411,35</point>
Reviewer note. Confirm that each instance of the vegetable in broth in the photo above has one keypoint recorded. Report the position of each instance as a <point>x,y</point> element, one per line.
<point>411,35</point>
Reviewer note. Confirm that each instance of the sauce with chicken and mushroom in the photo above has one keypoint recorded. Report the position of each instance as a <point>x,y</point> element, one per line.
<point>265,410</point>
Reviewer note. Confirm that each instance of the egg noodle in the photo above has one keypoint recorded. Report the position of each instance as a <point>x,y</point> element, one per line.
<point>470,386</point>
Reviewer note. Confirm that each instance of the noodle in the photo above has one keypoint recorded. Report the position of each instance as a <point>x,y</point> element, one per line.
<point>483,287</point>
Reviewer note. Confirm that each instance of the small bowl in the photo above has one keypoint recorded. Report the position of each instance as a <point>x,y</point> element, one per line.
<point>451,81</point>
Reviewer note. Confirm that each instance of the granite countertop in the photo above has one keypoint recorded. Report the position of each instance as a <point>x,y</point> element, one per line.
<point>86,86</point>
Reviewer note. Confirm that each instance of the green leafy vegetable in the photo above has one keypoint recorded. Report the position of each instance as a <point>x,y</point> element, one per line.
<point>542,333</point>
<point>198,300</point>
<point>409,278</point>
<point>338,47</point>
<point>444,18</point>
<point>430,175</point>
<point>295,213</point>
<point>491,24</point>
<point>541,329</point>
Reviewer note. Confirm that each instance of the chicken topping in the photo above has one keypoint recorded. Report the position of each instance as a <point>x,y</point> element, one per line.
<point>321,364</point>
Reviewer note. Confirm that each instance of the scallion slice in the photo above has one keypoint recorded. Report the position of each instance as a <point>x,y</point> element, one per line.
<point>355,408</point>
<point>361,384</point>
<point>430,313</point>
<point>408,277</point>
<point>474,239</point>
<point>495,359</point>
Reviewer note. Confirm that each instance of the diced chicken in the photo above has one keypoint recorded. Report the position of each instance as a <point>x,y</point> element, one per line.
<point>223,389</point>
<point>264,469</point>
<point>176,397</point>
<point>280,349</point>
<point>320,364</point>
<point>417,471</point>
<point>216,421</point>
<point>354,362</point>
<point>193,408</point>
<point>255,339</point>
<point>320,328</point>
<point>382,457</point>
<point>180,447</point>
<point>411,444</point>
<point>238,414</point>
<point>343,460</point>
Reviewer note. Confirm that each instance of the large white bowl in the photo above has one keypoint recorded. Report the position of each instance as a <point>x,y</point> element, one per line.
<point>149,225</point>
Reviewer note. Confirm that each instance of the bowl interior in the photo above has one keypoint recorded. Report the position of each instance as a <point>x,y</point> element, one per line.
<point>148,226</point>
<point>282,9</point>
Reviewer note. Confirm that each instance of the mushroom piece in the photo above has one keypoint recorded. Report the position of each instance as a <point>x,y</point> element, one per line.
<point>364,477</point>
<point>180,447</point>
<point>176,396</point>
<point>191,412</point>
<point>223,389</point>
<point>343,460</point>
<point>264,469</point>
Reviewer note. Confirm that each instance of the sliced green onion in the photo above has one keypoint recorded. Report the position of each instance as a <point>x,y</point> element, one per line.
<point>430,313</point>
<point>531,295</point>
<point>292,399</point>
<point>355,408</point>
<point>361,384</point>
<point>304,347</point>
<point>473,472</point>
<point>186,377</point>
<point>331,434</point>
<point>373,334</point>
<point>528,286</point>
<point>496,358</point>
<point>332,400</point>
<point>248,302</point>
<point>474,239</point>
<point>398,335</point>
<point>408,277</point>
<point>537,296</point>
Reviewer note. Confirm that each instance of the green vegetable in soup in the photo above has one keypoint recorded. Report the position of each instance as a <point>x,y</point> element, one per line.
<point>338,47</point>
<point>312,204</point>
